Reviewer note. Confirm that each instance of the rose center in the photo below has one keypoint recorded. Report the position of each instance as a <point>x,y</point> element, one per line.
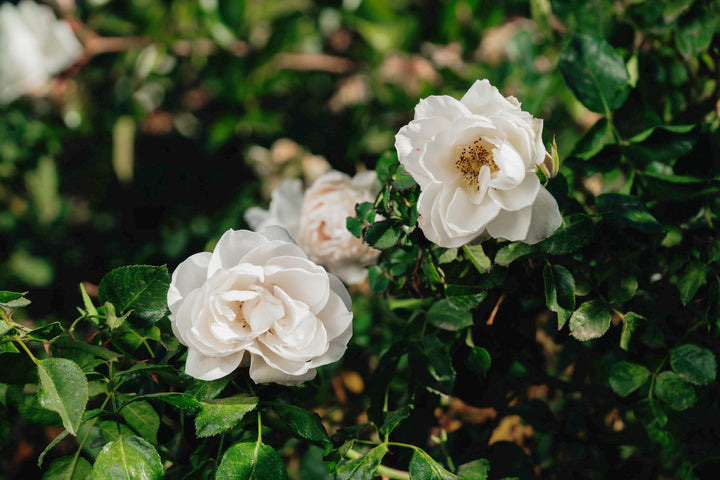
<point>471,158</point>
<point>240,316</point>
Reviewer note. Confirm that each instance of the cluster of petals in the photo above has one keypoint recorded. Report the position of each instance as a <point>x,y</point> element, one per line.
<point>475,160</point>
<point>258,299</point>
<point>317,219</point>
<point>34,46</point>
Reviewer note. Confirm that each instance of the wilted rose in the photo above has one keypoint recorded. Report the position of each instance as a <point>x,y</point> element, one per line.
<point>258,299</point>
<point>317,220</point>
<point>34,46</point>
<point>475,161</point>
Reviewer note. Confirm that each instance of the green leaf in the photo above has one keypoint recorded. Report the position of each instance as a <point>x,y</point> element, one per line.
<point>626,377</point>
<point>622,288</point>
<point>382,167</point>
<point>383,234</point>
<point>251,461</point>
<point>69,468</point>
<point>128,458</point>
<point>431,364</point>
<point>354,226</point>
<point>590,321</point>
<point>673,390</point>
<point>47,332</point>
<point>112,430</point>
<point>651,413</point>
<point>627,210</point>
<point>559,292</point>
<point>402,180</point>
<point>223,414</point>
<point>142,418</point>
<point>446,316</point>
<point>575,232</point>
<point>303,423</point>
<point>393,419</point>
<point>176,399</point>
<point>140,288</point>
<point>363,468</point>
<point>690,281</point>
<point>694,363</point>
<point>509,253</point>
<point>475,470</point>
<point>365,212</point>
<point>695,37</point>
<point>477,256</point>
<point>63,389</point>
<point>50,446</point>
<point>479,361</point>
<point>631,322</point>
<point>662,143</point>
<point>87,302</point>
<point>232,13</point>
<point>13,300</point>
<point>593,141</point>
<point>425,467</point>
<point>595,73</point>
<point>377,280</point>
<point>111,318</point>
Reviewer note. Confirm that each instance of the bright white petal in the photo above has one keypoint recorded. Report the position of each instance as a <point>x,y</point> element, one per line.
<point>189,275</point>
<point>545,217</point>
<point>511,165</point>
<point>301,279</point>
<point>520,196</point>
<point>465,218</point>
<point>512,226</point>
<point>440,106</point>
<point>232,247</point>
<point>484,99</point>
<point>261,372</point>
<point>203,367</point>
<point>411,141</point>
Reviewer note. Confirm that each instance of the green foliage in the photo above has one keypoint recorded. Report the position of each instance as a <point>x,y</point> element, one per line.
<point>63,389</point>
<point>595,73</point>
<point>141,289</point>
<point>128,458</point>
<point>422,465</point>
<point>250,461</point>
<point>222,414</point>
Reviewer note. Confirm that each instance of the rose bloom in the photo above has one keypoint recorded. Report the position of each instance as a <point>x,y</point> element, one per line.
<point>475,161</point>
<point>258,299</point>
<point>34,46</point>
<point>317,220</point>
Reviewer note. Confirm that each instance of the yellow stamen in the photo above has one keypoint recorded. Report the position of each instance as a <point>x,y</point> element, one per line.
<point>471,158</point>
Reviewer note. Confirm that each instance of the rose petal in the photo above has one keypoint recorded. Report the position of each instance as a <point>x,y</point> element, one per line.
<point>261,372</point>
<point>189,275</point>
<point>209,368</point>
<point>443,106</point>
<point>466,218</point>
<point>232,247</point>
<point>519,197</point>
<point>302,279</point>
<point>512,226</point>
<point>545,217</point>
<point>484,99</point>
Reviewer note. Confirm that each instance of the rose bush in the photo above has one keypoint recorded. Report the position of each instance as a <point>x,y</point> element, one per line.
<point>475,161</point>
<point>258,299</point>
<point>34,46</point>
<point>317,220</point>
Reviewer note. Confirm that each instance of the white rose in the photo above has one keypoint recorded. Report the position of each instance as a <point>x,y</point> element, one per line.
<point>34,46</point>
<point>475,161</point>
<point>317,220</point>
<point>257,298</point>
